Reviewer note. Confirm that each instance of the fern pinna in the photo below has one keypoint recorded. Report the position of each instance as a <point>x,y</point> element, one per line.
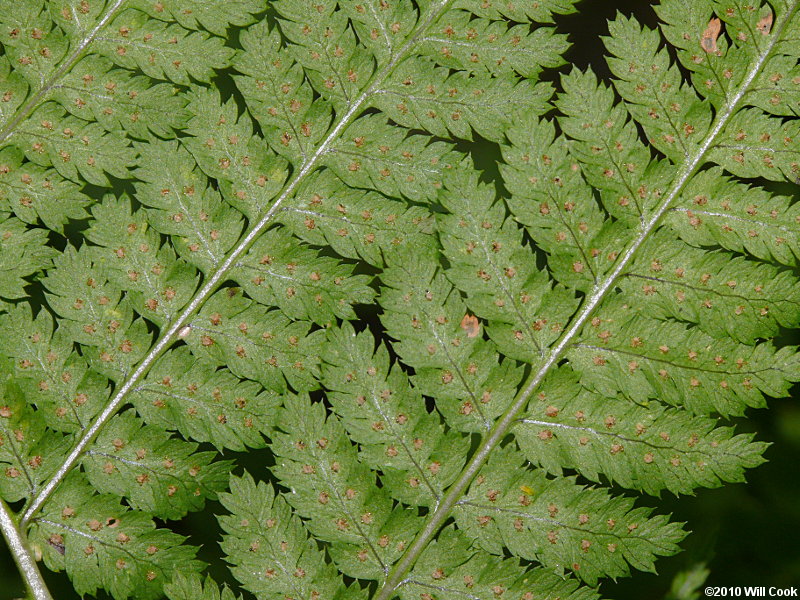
<point>203,202</point>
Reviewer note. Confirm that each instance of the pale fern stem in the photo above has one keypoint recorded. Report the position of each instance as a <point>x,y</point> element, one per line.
<point>500,429</point>
<point>18,546</point>
<point>171,334</point>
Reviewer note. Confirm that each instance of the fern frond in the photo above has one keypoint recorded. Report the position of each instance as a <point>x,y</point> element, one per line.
<point>255,343</point>
<point>374,154</point>
<point>270,549</point>
<point>283,228</point>
<point>382,413</point>
<point>334,491</point>
<point>725,296</point>
<point>56,380</point>
<point>560,524</point>
<point>248,174</point>
<point>442,342</point>
<point>638,192</point>
<point>95,314</point>
<point>35,193</point>
<point>203,403</point>
<point>156,282</point>
<point>155,474</point>
<point>184,206</point>
<point>521,12</point>
<point>103,544</point>
<point>462,42</point>
<point>716,210</point>
<point>354,223</point>
<point>23,252</point>
<point>93,90</point>
<point>445,571</point>
<point>29,453</point>
<point>645,447</point>
<point>488,262</point>
<point>614,354</point>
<point>421,95</point>
<point>193,587</point>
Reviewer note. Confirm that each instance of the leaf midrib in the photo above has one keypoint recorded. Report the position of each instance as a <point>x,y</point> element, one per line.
<point>689,168</point>
<point>167,338</point>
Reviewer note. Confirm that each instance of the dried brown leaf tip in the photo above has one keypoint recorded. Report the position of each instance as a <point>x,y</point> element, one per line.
<point>708,41</point>
<point>471,325</point>
<point>764,24</point>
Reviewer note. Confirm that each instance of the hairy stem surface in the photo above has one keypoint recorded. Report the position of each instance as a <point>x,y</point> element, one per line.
<point>26,564</point>
<point>601,290</point>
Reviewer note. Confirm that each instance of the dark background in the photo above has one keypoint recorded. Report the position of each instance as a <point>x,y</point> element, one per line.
<point>745,534</point>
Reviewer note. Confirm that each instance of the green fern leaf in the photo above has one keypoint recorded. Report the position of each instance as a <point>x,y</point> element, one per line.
<point>196,14</point>
<point>428,279</point>
<point>95,314</point>
<point>739,218</point>
<point>282,102</point>
<point>101,543</point>
<point>560,524</point>
<point>193,587</point>
<point>162,51</point>
<point>35,193</point>
<point>95,91</point>
<point>255,343</point>
<point>373,154</point>
<point>155,474</point>
<point>278,271</point>
<point>52,377</point>
<point>421,95</point>
<point>270,549</point>
<point>550,196</point>
<point>489,262</point>
<point>725,297</point>
<point>23,252</point>
<point>248,174</point>
<point>355,223</point>
<point>184,206</point>
<point>615,354</point>
<point>383,414</point>
<point>648,448</point>
<point>460,41</point>
<point>334,491</point>
<point>29,453</point>
<point>445,570</point>
<point>190,395</point>
<point>77,149</point>
<point>442,342</point>
<point>538,12</point>
<point>155,281</point>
